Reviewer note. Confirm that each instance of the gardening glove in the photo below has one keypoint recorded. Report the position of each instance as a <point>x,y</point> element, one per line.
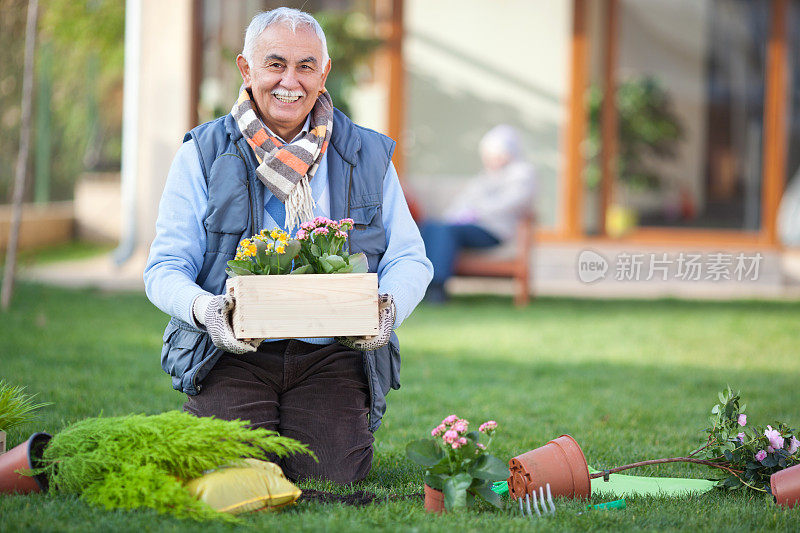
<point>214,312</point>
<point>386,315</point>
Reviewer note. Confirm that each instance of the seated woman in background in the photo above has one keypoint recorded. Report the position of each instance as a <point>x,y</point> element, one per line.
<point>487,211</point>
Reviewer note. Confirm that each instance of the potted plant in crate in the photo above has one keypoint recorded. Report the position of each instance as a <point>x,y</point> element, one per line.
<point>458,465</point>
<point>272,305</point>
<point>17,408</point>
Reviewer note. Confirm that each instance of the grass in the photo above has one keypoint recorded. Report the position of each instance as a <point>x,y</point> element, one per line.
<point>630,380</point>
<point>68,251</point>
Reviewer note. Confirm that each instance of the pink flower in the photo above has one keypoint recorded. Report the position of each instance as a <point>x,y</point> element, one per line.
<point>341,234</point>
<point>320,231</point>
<point>481,446</point>
<point>308,226</point>
<point>449,420</point>
<point>450,436</point>
<point>774,437</point>
<point>456,445</point>
<point>742,419</point>
<point>741,437</point>
<point>346,221</point>
<point>488,426</point>
<point>321,221</point>
<point>438,430</point>
<point>761,455</point>
<point>301,235</point>
<point>794,444</point>
<point>770,449</point>
<point>462,441</point>
<point>461,426</point>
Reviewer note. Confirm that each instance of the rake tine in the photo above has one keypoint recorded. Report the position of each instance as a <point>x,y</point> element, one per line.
<point>536,504</point>
<point>521,510</point>
<point>550,500</point>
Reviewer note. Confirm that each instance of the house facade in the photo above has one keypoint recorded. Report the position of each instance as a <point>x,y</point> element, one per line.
<point>652,121</point>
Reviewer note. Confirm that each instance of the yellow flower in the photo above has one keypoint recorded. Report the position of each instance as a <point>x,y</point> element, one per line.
<point>265,232</point>
<point>283,238</point>
<point>275,233</point>
<point>280,248</point>
<point>270,246</point>
<point>245,243</point>
<point>250,250</point>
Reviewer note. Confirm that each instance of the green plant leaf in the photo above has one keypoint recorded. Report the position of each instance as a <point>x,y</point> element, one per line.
<point>347,269</point>
<point>425,452</point>
<point>435,481</point>
<point>325,265</point>
<point>335,261</point>
<point>490,468</point>
<point>315,251</point>
<point>485,491</point>
<point>285,259</point>
<point>241,267</point>
<point>455,491</point>
<point>261,252</point>
<point>303,269</point>
<point>359,263</point>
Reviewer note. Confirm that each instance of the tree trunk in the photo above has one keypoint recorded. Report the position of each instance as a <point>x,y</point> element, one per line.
<point>22,156</point>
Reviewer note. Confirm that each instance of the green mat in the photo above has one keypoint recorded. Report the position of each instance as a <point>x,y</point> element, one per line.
<point>626,486</point>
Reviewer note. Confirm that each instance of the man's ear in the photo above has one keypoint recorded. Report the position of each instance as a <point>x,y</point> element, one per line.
<point>244,69</point>
<point>325,75</point>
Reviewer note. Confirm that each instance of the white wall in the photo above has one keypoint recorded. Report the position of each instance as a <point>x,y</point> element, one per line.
<point>164,92</point>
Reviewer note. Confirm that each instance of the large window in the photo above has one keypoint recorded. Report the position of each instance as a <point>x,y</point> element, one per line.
<point>691,78</point>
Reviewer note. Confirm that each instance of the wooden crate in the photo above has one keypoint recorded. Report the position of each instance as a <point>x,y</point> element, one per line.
<point>305,305</point>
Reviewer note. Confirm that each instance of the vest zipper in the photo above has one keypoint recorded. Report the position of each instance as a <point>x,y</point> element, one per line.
<point>249,195</point>
<point>347,209</point>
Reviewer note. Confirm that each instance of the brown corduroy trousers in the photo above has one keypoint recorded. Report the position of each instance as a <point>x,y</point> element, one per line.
<point>317,394</point>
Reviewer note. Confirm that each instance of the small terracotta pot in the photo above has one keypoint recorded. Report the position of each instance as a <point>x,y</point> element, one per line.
<point>560,463</point>
<point>785,485</point>
<point>434,500</point>
<point>24,457</point>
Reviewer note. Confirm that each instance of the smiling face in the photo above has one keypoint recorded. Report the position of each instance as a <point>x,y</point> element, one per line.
<point>286,76</point>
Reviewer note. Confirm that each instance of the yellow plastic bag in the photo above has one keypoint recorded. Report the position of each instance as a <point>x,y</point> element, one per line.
<point>251,486</point>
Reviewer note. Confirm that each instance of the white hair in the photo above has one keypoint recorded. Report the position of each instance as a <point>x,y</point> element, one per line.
<point>503,140</point>
<point>292,18</point>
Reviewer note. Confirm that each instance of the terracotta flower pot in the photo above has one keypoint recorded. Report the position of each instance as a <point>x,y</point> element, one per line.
<point>434,500</point>
<point>785,485</point>
<point>560,463</point>
<point>24,457</point>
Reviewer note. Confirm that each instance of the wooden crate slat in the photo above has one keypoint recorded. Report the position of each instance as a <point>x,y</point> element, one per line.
<point>307,305</point>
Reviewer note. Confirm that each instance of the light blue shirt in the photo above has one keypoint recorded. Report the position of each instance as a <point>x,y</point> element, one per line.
<point>176,254</point>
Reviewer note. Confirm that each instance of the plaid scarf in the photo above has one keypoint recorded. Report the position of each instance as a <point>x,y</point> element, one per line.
<point>286,169</point>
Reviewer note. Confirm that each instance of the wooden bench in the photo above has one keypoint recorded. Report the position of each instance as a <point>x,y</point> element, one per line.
<point>511,260</point>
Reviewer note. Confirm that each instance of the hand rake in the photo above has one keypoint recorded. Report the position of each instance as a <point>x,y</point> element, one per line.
<point>541,506</point>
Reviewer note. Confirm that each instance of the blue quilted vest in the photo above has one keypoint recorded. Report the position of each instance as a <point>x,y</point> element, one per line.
<point>357,162</point>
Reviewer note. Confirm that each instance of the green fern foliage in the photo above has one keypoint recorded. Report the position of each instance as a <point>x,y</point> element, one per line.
<point>143,461</point>
<point>16,407</point>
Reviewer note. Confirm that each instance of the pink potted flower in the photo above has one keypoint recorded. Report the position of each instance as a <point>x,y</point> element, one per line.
<point>458,465</point>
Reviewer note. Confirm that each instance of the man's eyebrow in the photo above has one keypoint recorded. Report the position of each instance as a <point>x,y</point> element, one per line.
<point>309,59</point>
<point>275,57</point>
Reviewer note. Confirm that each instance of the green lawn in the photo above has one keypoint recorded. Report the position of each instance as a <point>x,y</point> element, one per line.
<point>630,380</point>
